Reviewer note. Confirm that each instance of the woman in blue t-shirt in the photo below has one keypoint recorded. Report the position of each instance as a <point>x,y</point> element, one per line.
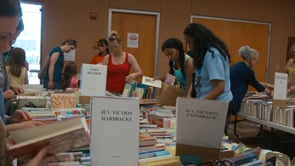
<point>211,62</point>
<point>181,64</point>
<point>54,73</point>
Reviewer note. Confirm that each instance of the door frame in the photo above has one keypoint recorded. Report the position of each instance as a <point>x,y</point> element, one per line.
<point>157,14</point>
<point>245,21</point>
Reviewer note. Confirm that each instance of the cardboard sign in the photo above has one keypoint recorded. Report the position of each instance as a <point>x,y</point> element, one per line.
<point>114,131</point>
<point>200,122</point>
<point>93,80</point>
<point>281,86</point>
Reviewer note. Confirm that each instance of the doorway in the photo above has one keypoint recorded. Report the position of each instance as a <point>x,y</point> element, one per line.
<point>139,32</point>
<point>30,39</point>
<point>237,33</point>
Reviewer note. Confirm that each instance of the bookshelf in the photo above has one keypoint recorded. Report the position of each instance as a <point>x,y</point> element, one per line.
<point>273,125</point>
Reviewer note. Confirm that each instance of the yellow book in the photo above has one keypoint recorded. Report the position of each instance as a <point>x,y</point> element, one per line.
<point>160,161</point>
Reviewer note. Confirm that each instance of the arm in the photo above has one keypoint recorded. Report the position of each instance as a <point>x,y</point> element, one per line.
<point>135,67</point>
<point>288,64</point>
<point>53,60</point>
<point>105,60</point>
<point>189,70</point>
<point>218,89</point>
<point>251,80</point>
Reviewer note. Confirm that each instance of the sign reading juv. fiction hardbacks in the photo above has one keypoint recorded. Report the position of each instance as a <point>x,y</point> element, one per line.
<point>114,131</point>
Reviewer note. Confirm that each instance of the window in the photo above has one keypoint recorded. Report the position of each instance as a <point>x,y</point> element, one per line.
<point>30,39</point>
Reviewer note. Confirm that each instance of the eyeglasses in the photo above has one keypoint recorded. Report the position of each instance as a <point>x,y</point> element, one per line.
<point>6,37</point>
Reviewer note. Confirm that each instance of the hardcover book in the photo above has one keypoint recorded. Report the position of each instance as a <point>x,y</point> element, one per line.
<point>61,136</point>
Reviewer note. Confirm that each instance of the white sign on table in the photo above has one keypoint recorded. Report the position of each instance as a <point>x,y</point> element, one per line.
<point>93,80</point>
<point>280,86</point>
<point>114,131</point>
<point>200,122</point>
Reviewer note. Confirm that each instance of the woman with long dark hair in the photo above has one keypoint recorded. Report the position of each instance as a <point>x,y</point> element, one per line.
<point>211,61</point>
<point>16,67</point>
<point>181,64</point>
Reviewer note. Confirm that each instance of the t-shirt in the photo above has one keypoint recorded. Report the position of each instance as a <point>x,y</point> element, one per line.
<point>58,67</point>
<point>215,67</point>
<point>116,75</point>
<point>241,76</point>
<point>97,59</point>
<point>179,76</point>
<point>17,81</point>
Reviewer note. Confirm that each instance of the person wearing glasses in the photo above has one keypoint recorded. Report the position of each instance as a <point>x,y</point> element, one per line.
<point>53,76</point>
<point>103,50</point>
<point>10,13</point>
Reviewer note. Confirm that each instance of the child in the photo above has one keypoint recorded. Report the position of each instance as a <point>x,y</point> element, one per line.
<point>70,79</point>
<point>181,65</point>
<point>16,67</point>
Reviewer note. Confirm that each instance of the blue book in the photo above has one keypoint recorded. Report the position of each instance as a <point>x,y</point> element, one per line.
<point>239,160</point>
<point>154,154</point>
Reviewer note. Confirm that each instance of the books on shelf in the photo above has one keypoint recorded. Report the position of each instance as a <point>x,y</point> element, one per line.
<point>265,110</point>
<point>61,136</point>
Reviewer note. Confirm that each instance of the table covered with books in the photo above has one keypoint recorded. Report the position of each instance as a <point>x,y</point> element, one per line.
<point>70,129</point>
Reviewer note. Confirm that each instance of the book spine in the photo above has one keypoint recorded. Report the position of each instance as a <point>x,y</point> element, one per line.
<point>254,163</point>
<point>239,160</point>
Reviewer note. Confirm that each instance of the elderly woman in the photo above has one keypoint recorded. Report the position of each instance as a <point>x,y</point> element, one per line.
<point>242,75</point>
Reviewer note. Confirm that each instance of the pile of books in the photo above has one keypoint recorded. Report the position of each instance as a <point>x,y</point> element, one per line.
<point>148,147</point>
<point>265,110</point>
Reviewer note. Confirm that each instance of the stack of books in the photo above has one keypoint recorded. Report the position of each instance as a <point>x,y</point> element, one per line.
<point>148,147</point>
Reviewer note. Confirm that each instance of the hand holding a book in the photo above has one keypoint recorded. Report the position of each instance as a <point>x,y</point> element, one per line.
<point>42,157</point>
<point>17,89</point>
<point>27,124</point>
<point>19,116</point>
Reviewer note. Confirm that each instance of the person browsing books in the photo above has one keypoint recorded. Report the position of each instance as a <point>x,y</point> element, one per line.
<point>119,64</point>
<point>211,62</point>
<point>70,79</point>
<point>181,65</point>
<point>16,67</point>
<point>241,76</point>
<point>10,13</point>
<point>53,76</point>
<point>103,50</point>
